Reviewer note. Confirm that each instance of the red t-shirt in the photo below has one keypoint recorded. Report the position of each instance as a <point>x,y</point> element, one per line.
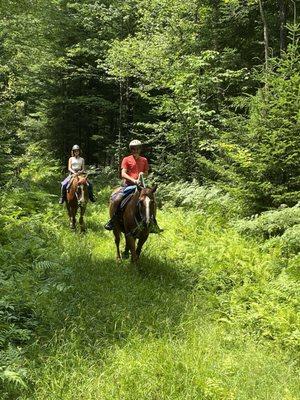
<point>134,166</point>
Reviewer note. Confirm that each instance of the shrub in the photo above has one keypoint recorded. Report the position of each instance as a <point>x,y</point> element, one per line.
<point>270,223</point>
<point>190,195</point>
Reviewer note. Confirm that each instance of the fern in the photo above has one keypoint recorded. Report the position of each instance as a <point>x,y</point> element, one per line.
<point>270,223</point>
<point>13,377</point>
<point>191,195</point>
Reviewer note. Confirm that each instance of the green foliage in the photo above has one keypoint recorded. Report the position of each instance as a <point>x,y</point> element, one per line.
<point>280,230</point>
<point>180,76</point>
<point>185,83</point>
<point>203,294</point>
<point>24,238</point>
<point>265,157</point>
<point>274,131</point>
<point>270,223</point>
<point>212,312</point>
<point>289,242</point>
<point>190,195</point>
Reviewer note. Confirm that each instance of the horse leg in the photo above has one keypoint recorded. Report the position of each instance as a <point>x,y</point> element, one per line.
<point>72,220</point>
<point>70,214</point>
<point>73,217</point>
<point>117,234</point>
<point>130,243</point>
<point>81,221</point>
<point>126,252</point>
<point>141,242</point>
<point>68,210</point>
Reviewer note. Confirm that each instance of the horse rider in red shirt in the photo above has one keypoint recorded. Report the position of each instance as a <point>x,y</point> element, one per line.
<point>131,167</point>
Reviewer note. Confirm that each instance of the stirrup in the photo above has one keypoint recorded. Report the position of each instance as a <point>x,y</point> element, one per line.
<point>62,200</point>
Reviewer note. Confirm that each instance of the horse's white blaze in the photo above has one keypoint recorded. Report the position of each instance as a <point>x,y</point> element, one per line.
<point>81,200</point>
<point>147,203</point>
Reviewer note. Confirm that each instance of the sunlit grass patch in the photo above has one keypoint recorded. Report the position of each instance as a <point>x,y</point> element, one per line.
<point>207,363</point>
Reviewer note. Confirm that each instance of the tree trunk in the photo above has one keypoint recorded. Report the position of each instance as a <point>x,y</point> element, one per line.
<point>282,19</point>
<point>120,131</point>
<point>129,105</point>
<point>295,22</point>
<point>266,34</point>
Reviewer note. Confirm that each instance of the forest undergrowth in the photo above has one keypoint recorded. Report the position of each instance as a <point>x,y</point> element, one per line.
<point>209,313</point>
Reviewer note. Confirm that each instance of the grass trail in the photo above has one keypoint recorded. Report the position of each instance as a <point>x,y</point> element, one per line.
<point>160,331</point>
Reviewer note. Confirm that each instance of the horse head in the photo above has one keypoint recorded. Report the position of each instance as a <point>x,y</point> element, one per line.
<point>82,190</point>
<point>147,204</point>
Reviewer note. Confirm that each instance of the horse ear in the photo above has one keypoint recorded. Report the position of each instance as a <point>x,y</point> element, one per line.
<point>153,190</point>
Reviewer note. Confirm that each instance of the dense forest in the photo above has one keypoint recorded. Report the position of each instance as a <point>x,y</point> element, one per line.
<point>212,89</point>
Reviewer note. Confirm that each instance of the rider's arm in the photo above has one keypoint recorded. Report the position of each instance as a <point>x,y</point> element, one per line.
<point>83,166</point>
<point>146,168</point>
<point>127,177</point>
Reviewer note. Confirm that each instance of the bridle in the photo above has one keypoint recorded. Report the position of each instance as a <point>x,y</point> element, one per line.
<point>79,193</point>
<point>142,220</point>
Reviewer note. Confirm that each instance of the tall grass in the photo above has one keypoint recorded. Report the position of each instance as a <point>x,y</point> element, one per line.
<point>208,314</point>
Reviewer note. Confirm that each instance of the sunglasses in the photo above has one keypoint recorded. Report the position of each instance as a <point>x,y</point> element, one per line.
<point>135,147</point>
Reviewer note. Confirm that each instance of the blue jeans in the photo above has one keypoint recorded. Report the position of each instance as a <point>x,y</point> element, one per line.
<point>124,192</point>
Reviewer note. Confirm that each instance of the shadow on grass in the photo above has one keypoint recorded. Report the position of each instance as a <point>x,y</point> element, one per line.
<point>95,225</point>
<point>107,303</point>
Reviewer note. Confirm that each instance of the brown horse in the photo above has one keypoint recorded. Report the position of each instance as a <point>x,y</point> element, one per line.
<point>77,197</point>
<point>134,222</point>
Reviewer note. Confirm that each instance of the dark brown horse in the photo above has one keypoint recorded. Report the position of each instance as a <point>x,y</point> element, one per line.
<point>77,197</point>
<point>134,222</point>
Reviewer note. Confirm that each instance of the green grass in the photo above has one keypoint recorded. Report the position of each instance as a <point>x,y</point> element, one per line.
<point>206,314</point>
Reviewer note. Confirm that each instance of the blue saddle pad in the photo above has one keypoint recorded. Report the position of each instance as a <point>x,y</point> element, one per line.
<point>125,201</point>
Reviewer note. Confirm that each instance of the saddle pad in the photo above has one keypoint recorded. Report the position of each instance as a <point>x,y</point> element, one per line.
<point>125,201</point>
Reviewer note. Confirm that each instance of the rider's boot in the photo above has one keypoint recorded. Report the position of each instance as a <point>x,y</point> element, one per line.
<point>91,193</point>
<point>63,195</point>
<point>154,228</point>
<point>111,223</point>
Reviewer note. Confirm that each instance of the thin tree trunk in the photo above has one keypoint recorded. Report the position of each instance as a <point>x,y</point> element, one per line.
<point>120,120</point>
<point>129,104</point>
<point>295,22</point>
<point>282,19</point>
<point>121,89</point>
<point>266,34</point>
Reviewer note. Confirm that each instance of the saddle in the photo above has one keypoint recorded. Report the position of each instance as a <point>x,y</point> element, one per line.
<point>125,201</point>
<point>126,198</point>
<point>71,182</point>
